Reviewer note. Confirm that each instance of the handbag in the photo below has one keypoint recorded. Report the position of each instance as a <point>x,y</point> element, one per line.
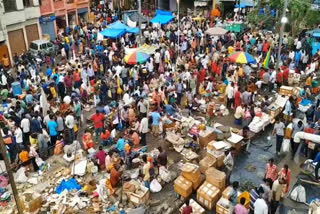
<point>7,140</point>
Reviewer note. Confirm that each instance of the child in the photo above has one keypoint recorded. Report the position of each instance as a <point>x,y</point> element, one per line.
<point>105,137</point>
<point>87,140</point>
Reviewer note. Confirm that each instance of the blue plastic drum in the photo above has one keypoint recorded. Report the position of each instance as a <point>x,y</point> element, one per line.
<point>16,88</point>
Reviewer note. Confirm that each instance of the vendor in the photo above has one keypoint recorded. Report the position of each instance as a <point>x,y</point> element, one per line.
<point>234,193</point>
<point>146,171</point>
<point>239,114</point>
<point>101,156</point>
<point>115,176</point>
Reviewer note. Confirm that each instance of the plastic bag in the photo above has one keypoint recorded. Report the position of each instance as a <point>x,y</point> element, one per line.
<point>298,194</point>
<point>286,145</point>
<point>20,175</point>
<point>155,186</point>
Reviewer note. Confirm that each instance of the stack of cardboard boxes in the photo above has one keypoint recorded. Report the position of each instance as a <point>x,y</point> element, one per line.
<point>189,180</point>
<point>208,195</point>
<point>216,149</point>
<point>183,187</point>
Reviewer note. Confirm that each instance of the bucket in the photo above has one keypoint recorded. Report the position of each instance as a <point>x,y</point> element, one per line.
<point>16,88</point>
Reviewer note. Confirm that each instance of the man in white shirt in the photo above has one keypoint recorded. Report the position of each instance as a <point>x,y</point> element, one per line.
<point>299,45</point>
<point>70,125</point>
<point>19,136</point>
<point>25,125</point>
<point>229,163</point>
<point>230,95</point>
<point>142,107</point>
<point>157,60</point>
<point>260,206</point>
<point>143,129</point>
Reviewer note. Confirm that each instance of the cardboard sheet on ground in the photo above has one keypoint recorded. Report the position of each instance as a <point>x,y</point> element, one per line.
<point>79,167</point>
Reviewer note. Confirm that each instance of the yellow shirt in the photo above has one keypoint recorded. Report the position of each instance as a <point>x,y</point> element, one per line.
<point>308,81</point>
<point>240,72</point>
<point>53,92</point>
<point>230,49</point>
<point>33,141</point>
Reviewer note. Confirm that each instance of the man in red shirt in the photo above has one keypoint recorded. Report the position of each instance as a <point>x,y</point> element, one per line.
<point>97,119</point>
<point>265,48</point>
<point>68,82</point>
<point>279,78</point>
<point>285,74</point>
<point>187,209</point>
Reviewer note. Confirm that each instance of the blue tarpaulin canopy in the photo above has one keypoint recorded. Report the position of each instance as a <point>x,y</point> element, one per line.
<point>112,33</point>
<point>162,17</point>
<point>119,25</point>
<point>245,3</point>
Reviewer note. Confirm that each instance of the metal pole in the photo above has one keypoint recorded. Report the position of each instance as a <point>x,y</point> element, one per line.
<point>3,151</point>
<point>178,1</point>
<point>281,33</point>
<point>139,14</point>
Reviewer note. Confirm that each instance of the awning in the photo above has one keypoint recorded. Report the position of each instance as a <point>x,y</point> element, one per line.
<point>162,17</point>
<point>119,25</point>
<point>112,33</point>
<point>82,10</point>
<point>245,3</point>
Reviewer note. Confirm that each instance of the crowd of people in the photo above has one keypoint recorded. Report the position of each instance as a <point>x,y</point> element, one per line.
<point>183,72</point>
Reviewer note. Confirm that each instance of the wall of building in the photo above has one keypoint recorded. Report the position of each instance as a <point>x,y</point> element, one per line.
<point>21,27</point>
<point>67,13</point>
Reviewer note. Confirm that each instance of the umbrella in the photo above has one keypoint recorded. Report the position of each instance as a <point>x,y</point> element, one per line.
<point>241,57</point>
<point>216,31</point>
<point>136,58</point>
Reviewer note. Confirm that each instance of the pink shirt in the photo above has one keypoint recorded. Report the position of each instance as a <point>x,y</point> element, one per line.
<point>240,209</point>
<point>271,172</point>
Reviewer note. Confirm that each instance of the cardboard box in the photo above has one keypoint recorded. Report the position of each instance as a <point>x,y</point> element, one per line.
<point>142,197</point>
<point>219,156</point>
<point>223,206</point>
<point>196,208</point>
<point>208,195</point>
<point>205,137</point>
<point>183,187</point>
<point>206,162</point>
<point>226,192</point>
<point>190,171</point>
<point>216,178</point>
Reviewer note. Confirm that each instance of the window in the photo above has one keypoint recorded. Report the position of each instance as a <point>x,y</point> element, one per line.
<point>9,5</point>
<point>43,46</point>
<point>28,3</point>
<point>34,46</point>
<point>49,45</point>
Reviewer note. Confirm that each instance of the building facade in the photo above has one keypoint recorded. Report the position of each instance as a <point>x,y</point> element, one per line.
<point>59,14</point>
<point>19,26</point>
